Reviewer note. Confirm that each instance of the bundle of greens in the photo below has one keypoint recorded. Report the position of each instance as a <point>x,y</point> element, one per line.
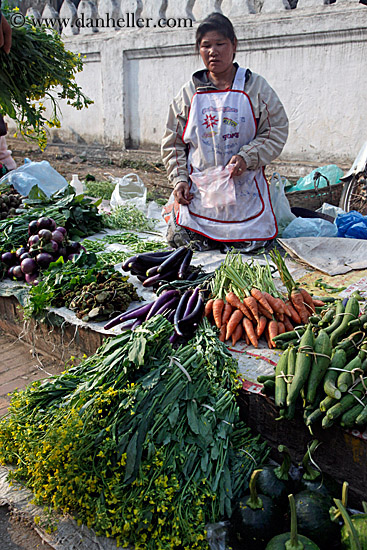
<point>144,442</point>
<point>38,67</point>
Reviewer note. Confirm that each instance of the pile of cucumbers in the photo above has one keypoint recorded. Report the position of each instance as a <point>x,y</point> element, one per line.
<point>323,368</point>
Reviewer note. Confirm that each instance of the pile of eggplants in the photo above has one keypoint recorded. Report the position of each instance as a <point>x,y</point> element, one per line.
<point>184,310</point>
<point>151,268</point>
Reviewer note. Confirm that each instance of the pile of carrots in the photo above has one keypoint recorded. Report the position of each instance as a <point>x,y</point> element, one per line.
<point>259,314</point>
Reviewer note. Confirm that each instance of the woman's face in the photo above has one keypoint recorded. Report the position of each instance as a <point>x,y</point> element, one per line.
<point>217,52</point>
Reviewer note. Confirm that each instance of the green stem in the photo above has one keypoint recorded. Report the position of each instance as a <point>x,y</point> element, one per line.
<point>282,471</point>
<point>254,502</point>
<point>355,543</point>
<point>293,543</point>
<point>310,473</point>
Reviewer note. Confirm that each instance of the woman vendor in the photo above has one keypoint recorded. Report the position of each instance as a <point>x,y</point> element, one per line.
<point>6,160</point>
<point>224,126</point>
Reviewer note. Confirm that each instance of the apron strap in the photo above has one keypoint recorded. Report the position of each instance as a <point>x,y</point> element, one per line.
<point>239,79</point>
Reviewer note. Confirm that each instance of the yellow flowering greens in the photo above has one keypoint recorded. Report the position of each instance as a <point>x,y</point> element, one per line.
<point>141,442</point>
<point>38,63</point>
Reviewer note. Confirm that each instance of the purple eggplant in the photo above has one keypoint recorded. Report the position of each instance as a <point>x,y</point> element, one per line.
<point>32,227</point>
<point>172,260</point>
<point>57,236</point>
<point>138,312</point>
<point>18,273</point>
<point>9,258</point>
<point>20,251</point>
<point>181,309</point>
<point>62,230</point>
<point>31,279</point>
<point>182,270</point>
<point>186,323</point>
<point>192,302</point>
<point>44,259</point>
<point>168,305</point>
<point>45,235</point>
<point>152,271</point>
<point>45,223</point>
<point>29,266</point>
<point>161,301</point>
<point>137,323</point>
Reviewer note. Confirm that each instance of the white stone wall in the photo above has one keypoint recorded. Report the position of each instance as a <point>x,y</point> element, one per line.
<point>314,56</point>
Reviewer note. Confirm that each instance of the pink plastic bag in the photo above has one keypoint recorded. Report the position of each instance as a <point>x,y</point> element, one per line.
<point>216,187</point>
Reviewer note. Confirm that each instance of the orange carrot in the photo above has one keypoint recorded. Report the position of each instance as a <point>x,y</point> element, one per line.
<point>251,304</point>
<point>294,314</point>
<point>318,303</point>
<point>208,308</point>
<point>287,324</point>
<point>261,326</point>
<point>297,301</point>
<point>287,310</point>
<point>218,306</point>
<point>261,299</point>
<point>247,340</point>
<point>222,333</point>
<point>307,299</point>
<point>264,311</point>
<point>249,329</point>
<point>273,331</point>
<point>281,327</point>
<point>233,321</point>
<point>234,300</point>
<point>275,303</point>
<point>279,316</point>
<point>237,334</point>
<point>226,313</point>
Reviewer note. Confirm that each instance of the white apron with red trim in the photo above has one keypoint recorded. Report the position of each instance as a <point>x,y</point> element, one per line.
<point>220,122</point>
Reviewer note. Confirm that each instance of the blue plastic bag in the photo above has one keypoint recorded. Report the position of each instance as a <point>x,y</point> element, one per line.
<point>352,225</point>
<point>309,227</point>
<point>31,173</point>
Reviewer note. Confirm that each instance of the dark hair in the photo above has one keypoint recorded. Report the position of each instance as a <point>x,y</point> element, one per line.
<point>215,22</point>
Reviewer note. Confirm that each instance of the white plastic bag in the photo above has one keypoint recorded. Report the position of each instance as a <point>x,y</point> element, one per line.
<point>31,173</point>
<point>129,190</point>
<point>279,201</point>
<point>216,186</point>
<point>330,210</point>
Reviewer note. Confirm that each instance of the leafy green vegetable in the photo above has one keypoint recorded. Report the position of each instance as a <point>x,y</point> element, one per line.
<point>112,439</point>
<point>38,67</point>
<point>128,217</point>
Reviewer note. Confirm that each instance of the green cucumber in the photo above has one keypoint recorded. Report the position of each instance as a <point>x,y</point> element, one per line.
<point>346,402</point>
<point>314,417</point>
<point>328,317</point>
<point>338,318</point>
<point>280,380</point>
<point>361,419</point>
<point>303,365</point>
<point>346,378</point>
<point>326,403</point>
<point>348,418</point>
<point>338,360</point>
<point>290,335</point>
<point>351,312</point>
<point>268,387</point>
<point>320,364</point>
<point>264,377</point>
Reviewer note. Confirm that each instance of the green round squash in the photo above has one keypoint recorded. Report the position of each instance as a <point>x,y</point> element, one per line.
<point>313,518</point>
<point>256,518</point>
<point>291,540</point>
<point>274,481</point>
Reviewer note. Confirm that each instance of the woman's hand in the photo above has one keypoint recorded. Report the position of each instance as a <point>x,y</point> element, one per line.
<point>237,166</point>
<point>5,35</point>
<point>182,193</point>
